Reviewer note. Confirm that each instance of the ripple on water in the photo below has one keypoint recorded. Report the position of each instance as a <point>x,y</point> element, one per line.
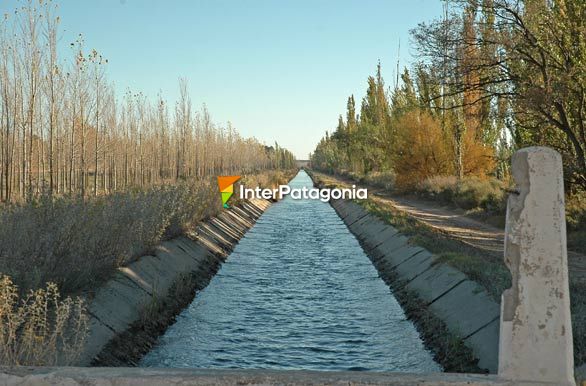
<point>297,292</point>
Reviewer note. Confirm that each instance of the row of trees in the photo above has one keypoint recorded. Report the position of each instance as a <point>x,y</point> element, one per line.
<point>492,76</point>
<point>63,130</point>
<point>399,131</point>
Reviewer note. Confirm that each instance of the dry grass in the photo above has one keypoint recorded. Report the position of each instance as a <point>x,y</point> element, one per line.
<point>468,193</point>
<point>77,243</point>
<point>268,180</point>
<point>384,180</point>
<point>40,328</point>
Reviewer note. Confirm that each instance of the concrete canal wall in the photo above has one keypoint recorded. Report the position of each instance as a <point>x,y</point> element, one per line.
<point>92,376</point>
<point>464,306</point>
<point>141,300</point>
<point>528,337</point>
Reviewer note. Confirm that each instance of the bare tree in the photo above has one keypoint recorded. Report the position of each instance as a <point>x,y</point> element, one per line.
<point>60,122</point>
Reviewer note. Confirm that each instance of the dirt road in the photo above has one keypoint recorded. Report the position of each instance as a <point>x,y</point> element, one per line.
<point>451,221</point>
<point>456,224</point>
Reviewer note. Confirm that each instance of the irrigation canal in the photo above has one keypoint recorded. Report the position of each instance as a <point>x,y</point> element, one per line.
<point>297,292</point>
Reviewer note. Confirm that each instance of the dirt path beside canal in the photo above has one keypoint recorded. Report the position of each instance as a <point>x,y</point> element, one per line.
<point>456,224</point>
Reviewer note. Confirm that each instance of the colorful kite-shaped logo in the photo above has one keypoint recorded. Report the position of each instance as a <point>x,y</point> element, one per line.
<point>226,184</point>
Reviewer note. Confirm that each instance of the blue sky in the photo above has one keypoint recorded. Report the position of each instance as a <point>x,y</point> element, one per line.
<point>279,70</point>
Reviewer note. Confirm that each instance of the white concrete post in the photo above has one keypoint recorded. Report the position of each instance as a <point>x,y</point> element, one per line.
<point>536,329</point>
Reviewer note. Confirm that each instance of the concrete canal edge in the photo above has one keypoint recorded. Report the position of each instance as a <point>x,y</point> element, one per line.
<point>132,309</point>
<point>47,376</point>
<point>418,279</point>
<point>462,305</point>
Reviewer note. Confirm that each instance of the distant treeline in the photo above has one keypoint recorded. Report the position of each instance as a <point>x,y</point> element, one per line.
<point>492,76</point>
<point>63,130</point>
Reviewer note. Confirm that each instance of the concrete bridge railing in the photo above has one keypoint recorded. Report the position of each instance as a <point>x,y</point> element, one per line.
<point>535,345</point>
<point>536,327</point>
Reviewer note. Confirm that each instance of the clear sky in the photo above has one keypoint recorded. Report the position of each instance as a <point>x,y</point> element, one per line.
<point>279,70</point>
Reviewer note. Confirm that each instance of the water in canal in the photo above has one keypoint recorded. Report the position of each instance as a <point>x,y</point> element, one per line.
<point>297,292</point>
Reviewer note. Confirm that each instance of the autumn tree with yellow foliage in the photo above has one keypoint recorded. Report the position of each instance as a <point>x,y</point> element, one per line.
<point>401,133</point>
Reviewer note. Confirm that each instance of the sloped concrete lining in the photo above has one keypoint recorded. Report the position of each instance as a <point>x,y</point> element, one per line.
<point>435,282</point>
<point>466,308</point>
<point>173,377</point>
<point>373,227</point>
<point>378,238</point>
<point>394,242</point>
<point>416,265</point>
<point>400,255</point>
<point>121,302</point>
<point>484,344</point>
<point>461,304</point>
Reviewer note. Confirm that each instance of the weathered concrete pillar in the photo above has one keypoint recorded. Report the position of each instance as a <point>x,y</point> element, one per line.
<point>536,329</point>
